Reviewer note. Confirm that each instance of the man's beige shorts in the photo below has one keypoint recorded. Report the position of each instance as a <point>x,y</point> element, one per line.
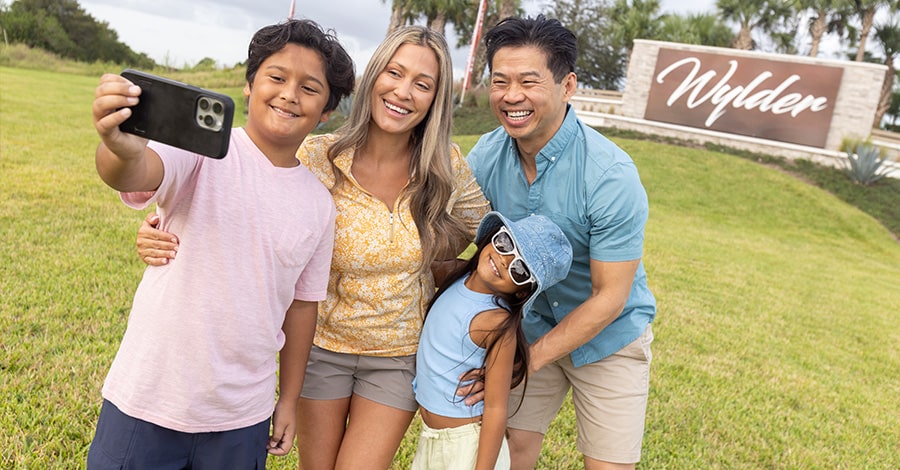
<point>610,398</point>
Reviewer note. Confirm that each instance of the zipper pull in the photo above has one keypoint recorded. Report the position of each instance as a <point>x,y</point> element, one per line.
<point>391,238</point>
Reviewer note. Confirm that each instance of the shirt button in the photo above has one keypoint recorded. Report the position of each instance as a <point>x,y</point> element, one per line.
<point>556,304</point>
<point>552,159</point>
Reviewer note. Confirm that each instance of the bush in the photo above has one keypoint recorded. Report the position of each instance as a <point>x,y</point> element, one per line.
<point>865,164</point>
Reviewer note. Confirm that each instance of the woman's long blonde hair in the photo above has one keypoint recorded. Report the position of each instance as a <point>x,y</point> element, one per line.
<point>431,174</point>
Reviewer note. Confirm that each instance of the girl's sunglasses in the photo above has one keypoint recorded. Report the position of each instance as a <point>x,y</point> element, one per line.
<point>518,272</point>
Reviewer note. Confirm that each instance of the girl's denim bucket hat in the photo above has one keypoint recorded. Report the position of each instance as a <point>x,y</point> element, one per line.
<point>542,244</point>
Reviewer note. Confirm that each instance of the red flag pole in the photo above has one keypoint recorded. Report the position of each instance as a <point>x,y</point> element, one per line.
<point>476,36</point>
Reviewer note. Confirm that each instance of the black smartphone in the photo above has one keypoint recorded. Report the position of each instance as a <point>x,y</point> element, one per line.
<point>180,115</point>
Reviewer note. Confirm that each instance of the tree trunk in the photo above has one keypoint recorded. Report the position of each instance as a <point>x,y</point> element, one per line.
<point>478,67</point>
<point>438,23</point>
<point>507,8</point>
<point>868,18</point>
<point>887,91</point>
<point>397,15</point>
<point>743,41</point>
<point>817,31</point>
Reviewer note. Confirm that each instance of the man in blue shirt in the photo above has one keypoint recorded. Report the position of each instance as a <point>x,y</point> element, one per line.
<point>591,332</point>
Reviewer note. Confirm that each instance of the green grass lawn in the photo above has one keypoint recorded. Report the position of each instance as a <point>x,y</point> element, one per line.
<point>776,339</point>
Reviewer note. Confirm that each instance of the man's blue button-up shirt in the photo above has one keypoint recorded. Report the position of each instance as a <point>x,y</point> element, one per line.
<point>591,189</point>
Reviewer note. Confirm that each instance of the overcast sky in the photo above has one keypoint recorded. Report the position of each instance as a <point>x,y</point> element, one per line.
<point>179,33</point>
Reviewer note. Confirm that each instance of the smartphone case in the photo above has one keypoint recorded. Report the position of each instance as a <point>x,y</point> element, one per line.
<point>169,112</point>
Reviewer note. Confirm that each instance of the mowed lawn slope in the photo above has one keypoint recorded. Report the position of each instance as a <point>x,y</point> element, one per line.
<point>776,340</point>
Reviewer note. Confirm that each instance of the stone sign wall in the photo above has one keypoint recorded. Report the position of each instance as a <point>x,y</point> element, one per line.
<point>798,100</point>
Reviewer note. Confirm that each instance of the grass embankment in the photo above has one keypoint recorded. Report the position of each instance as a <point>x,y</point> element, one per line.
<point>775,340</point>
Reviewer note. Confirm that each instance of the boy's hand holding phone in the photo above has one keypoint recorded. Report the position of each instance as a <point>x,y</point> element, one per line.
<point>133,107</point>
<point>180,115</point>
<point>113,99</point>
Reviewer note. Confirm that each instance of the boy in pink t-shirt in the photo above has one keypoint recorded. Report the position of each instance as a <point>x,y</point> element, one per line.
<point>194,381</point>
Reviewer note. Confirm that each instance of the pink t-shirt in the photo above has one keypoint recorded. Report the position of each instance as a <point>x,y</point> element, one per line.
<point>199,353</point>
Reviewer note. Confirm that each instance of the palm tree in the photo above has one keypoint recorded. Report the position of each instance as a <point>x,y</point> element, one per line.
<point>507,8</point>
<point>827,16</point>
<point>701,28</point>
<point>464,26</point>
<point>439,12</point>
<point>888,36</point>
<point>894,110</point>
<point>842,23</point>
<point>866,10</point>
<point>640,20</point>
<point>752,14</point>
<point>401,14</point>
<point>601,61</point>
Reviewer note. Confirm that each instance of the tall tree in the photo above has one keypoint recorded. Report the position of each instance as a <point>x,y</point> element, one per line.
<point>842,23</point>
<point>64,28</point>
<point>699,28</point>
<point>866,10</point>
<point>602,57</point>
<point>753,14</point>
<point>401,13</point>
<point>37,29</point>
<point>465,25</point>
<point>635,19</point>
<point>783,33</point>
<point>894,110</point>
<point>439,12</point>
<point>888,36</point>
<point>826,16</point>
<point>507,8</point>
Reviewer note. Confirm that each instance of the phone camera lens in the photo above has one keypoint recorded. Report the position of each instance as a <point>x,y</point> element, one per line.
<point>209,120</point>
<point>204,104</point>
<point>217,107</point>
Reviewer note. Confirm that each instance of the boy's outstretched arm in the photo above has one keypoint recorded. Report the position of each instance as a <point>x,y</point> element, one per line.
<point>299,329</point>
<point>123,160</point>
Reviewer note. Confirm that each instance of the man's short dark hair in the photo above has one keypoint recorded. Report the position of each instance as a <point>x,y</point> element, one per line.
<point>339,71</point>
<point>547,34</point>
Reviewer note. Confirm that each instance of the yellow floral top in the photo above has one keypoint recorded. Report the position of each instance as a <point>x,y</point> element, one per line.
<point>377,294</point>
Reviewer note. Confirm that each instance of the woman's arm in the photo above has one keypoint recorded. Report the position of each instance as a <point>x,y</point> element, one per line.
<point>154,246</point>
<point>467,201</point>
<point>497,380</point>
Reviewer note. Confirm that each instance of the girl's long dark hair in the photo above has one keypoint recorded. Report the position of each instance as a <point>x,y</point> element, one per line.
<point>512,303</point>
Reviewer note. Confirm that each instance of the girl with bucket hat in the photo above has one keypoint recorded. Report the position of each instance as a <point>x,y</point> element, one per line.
<point>475,321</point>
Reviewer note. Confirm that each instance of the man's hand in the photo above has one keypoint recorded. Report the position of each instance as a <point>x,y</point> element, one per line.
<point>472,386</point>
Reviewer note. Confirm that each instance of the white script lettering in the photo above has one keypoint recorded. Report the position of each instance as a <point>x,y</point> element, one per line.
<point>723,95</point>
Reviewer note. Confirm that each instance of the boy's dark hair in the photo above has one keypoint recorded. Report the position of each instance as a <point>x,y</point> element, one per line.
<point>547,34</point>
<point>339,69</point>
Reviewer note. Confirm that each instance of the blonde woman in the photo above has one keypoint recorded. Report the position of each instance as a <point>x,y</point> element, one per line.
<point>406,200</point>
